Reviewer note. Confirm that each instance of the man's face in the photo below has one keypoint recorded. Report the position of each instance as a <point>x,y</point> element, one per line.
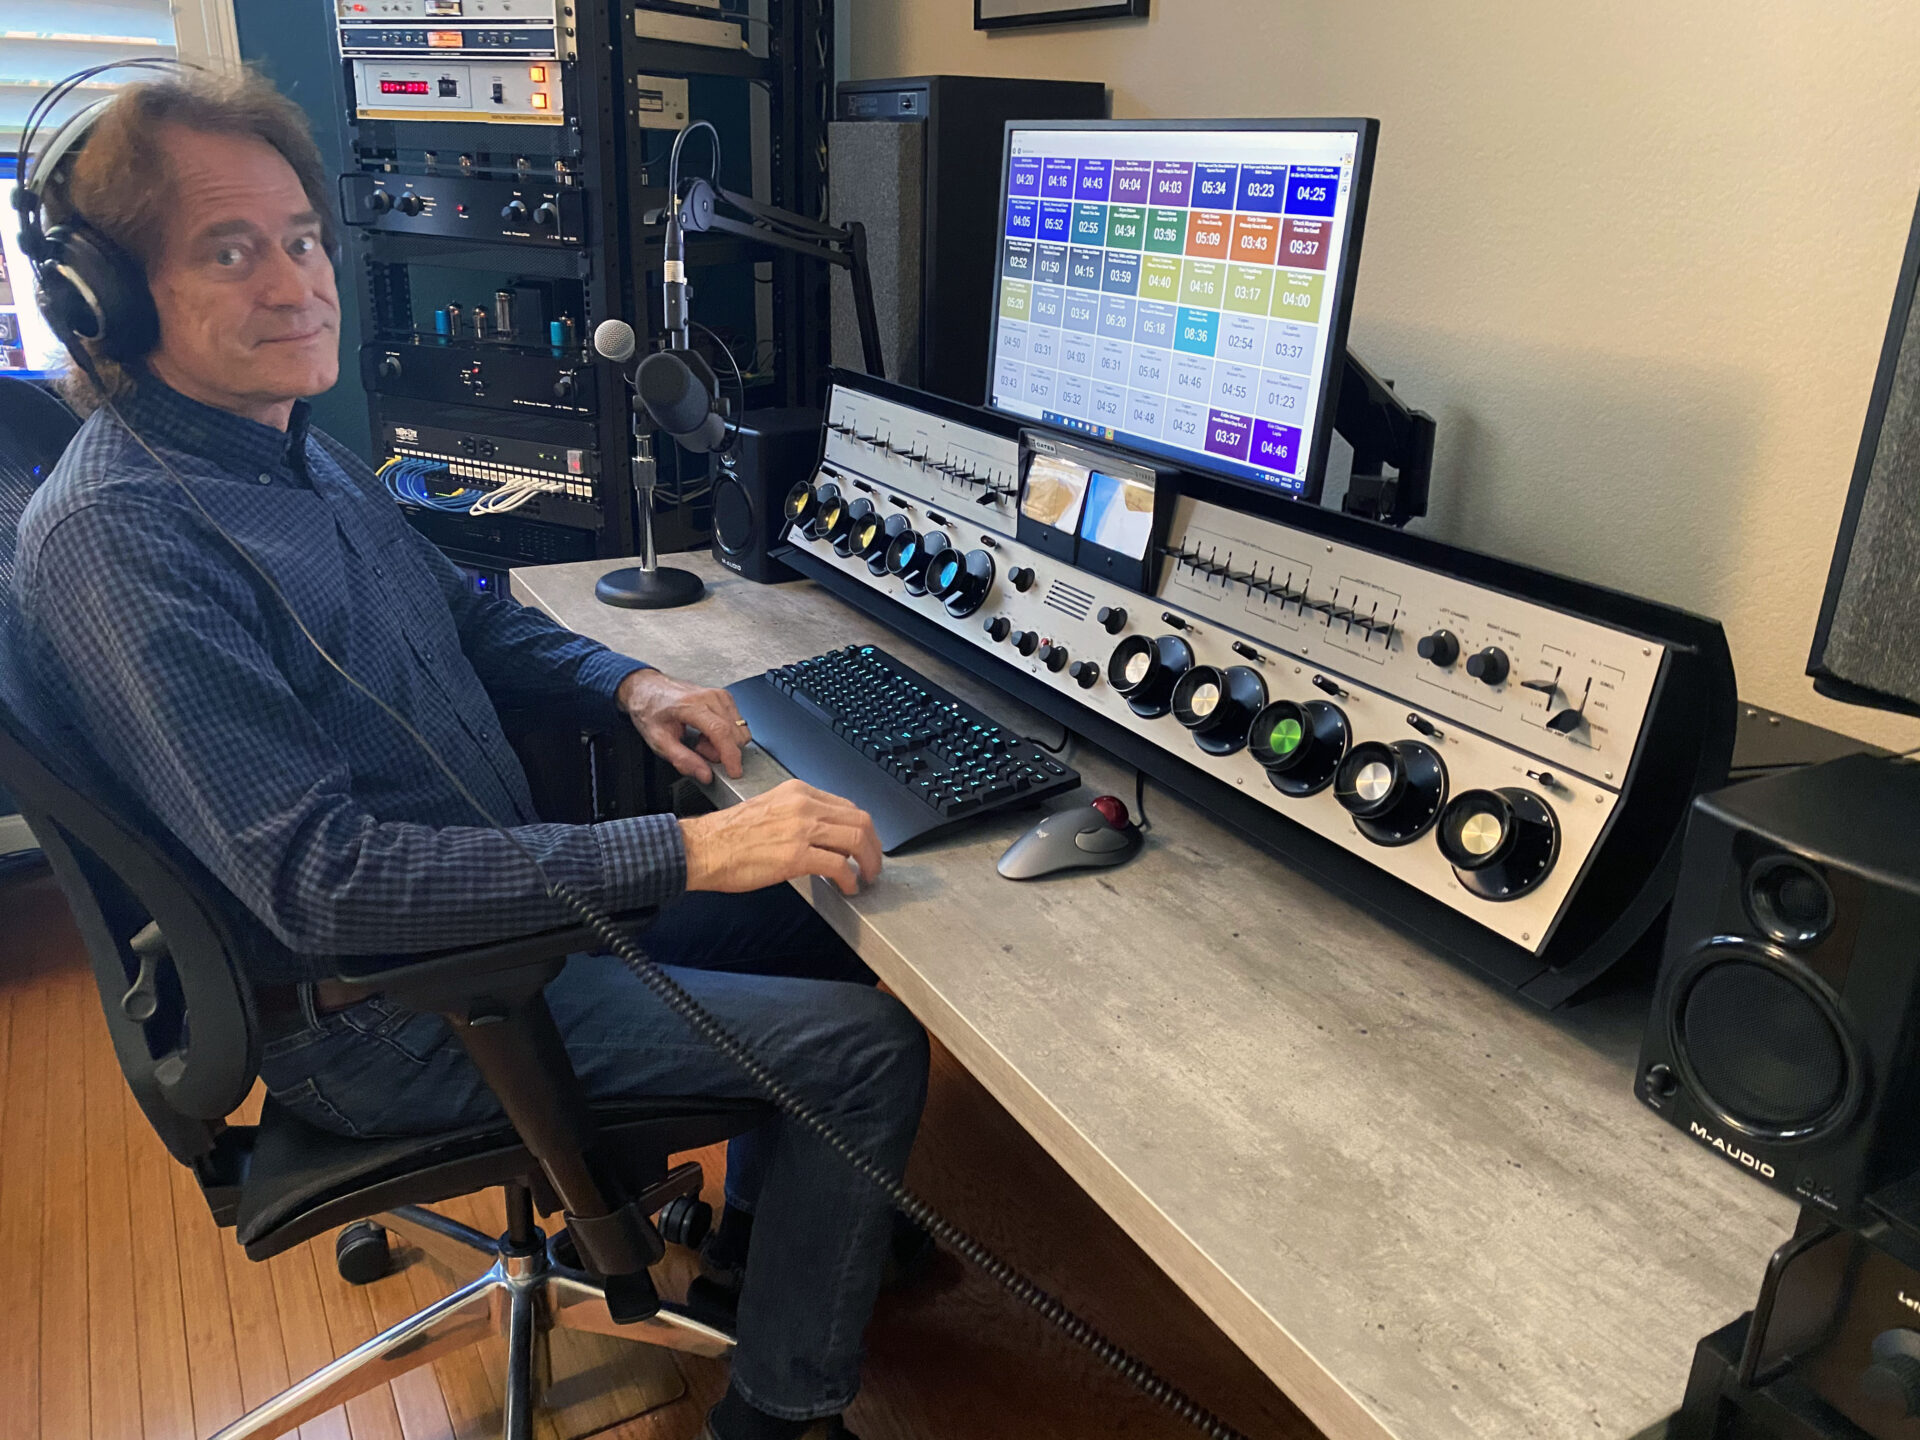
<point>249,315</point>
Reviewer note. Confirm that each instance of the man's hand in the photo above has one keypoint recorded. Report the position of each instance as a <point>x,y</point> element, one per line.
<point>790,831</point>
<point>664,709</point>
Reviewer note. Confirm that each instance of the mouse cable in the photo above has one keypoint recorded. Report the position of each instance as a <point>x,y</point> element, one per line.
<point>1066,739</point>
<point>1140,798</point>
<point>689,1010</point>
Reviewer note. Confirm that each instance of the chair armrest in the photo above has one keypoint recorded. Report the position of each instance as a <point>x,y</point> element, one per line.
<point>475,962</point>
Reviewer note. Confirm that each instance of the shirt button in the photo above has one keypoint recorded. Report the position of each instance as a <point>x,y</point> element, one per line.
<point>265,478</point>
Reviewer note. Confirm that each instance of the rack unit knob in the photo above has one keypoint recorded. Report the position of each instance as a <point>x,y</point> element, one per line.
<point>1300,744</point>
<point>1393,791</point>
<point>1054,657</point>
<point>1501,843</point>
<point>1025,641</point>
<point>961,582</point>
<point>1489,666</point>
<point>998,628</point>
<point>1145,671</point>
<point>1084,673</point>
<point>1218,705</point>
<point>1440,648</point>
<point>1112,619</point>
<point>1021,578</point>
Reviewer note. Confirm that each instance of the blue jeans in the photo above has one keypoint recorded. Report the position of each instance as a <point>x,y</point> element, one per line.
<point>777,977</point>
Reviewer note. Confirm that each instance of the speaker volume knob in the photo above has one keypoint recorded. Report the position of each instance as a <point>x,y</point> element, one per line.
<point>1084,673</point>
<point>1021,578</point>
<point>1440,648</point>
<point>1891,1384</point>
<point>998,628</point>
<point>1488,666</point>
<point>1112,619</point>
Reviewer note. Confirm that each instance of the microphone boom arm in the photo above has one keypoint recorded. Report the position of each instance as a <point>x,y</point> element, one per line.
<point>844,246</point>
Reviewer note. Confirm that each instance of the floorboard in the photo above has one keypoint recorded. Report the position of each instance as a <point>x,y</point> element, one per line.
<point>136,1318</point>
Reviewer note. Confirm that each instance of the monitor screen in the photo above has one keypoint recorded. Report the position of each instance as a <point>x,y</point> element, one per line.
<point>1118,514</point>
<point>1182,288</point>
<point>27,345</point>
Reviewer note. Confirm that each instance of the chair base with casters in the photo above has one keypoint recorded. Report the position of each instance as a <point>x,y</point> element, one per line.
<point>523,1293</point>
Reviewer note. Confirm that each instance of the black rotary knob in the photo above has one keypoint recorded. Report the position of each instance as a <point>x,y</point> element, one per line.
<point>1084,673</point>
<point>1501,843</point>
<point>861,522</point>
<point>1021,578</point>
<point>564,387</point>
<point>1300,744</point>
<point>829,509</point>
<point>409,204</point>
<point>1145,671</point>
<point>961,582</point>
<point>1394,792</point>
<point>514,212</point>
<point>1112,619</point>
<point>547,213</point>
<point>867,537</point>
<point>891,529</point>
<point>1440,648</point>
<point>1488,666</point>
<point>801,505</point>
<point>1026,641</point>
<point>909,556</point>
<point>998,628</point>
<point>1891,1384</point>
<point>1218,705</point>
<point>1054,657</point>
<point>379,202</point>
<point>390,367</point>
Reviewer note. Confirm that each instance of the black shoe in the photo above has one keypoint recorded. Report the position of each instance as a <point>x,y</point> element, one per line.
<point>909,1256</point>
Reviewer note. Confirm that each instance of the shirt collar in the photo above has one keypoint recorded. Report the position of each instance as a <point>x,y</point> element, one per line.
<point>256,452</point>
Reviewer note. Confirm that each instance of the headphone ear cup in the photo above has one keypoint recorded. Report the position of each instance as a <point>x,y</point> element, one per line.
<point>93,289</point>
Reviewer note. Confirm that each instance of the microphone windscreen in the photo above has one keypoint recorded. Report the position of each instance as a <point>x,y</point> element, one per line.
<point>675,396</point>
<point>708,438</point>
<point>613,339</point>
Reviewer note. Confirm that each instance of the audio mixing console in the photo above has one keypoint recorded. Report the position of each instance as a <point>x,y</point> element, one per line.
<point>1499,757</point>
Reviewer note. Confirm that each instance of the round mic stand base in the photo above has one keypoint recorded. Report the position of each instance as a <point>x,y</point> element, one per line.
<point>638,589</point>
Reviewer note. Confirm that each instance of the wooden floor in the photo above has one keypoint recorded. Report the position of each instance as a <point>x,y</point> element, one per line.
<point>129,1316</point>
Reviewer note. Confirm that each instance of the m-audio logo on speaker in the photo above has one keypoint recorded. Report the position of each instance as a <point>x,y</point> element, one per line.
<point>1732,1152</point>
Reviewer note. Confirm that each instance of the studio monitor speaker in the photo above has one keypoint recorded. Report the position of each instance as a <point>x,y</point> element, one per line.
<point>772,452</point>
<point>1866,648</point>
<point>1783,1029</point>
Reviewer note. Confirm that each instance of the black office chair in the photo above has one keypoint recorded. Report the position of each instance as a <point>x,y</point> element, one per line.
<point>34,430</point>
<point>168,960</point>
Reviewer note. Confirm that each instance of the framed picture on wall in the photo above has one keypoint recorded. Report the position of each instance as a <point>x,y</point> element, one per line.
<point>1004,14</point>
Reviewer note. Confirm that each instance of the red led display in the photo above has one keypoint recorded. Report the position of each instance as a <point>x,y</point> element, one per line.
<point>404,87</point>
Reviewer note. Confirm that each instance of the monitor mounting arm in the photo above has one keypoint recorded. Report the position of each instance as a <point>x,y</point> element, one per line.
<point>1383,430</point>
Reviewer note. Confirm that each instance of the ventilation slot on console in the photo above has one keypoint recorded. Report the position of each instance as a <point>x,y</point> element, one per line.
<point>1069,600</point>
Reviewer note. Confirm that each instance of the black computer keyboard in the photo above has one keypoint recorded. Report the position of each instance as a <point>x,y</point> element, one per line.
<point>858,723</point>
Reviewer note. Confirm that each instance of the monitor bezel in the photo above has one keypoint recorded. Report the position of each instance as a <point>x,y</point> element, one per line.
<point>24,297</point>
<point>1319,443</point>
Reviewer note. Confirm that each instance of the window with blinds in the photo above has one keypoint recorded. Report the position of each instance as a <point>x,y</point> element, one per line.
<point>43,40</point>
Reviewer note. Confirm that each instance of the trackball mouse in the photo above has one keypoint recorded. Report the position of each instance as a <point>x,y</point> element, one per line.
<point>1087,837</point>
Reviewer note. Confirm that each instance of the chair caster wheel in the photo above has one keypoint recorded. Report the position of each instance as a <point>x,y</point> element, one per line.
<point>363,1253</point>
<point>686,1221</point>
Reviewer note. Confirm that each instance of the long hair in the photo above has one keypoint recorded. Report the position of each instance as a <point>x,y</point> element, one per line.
<point>121,183</point>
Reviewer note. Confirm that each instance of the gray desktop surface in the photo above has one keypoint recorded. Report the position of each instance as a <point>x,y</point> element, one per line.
<point>1425,1209</point>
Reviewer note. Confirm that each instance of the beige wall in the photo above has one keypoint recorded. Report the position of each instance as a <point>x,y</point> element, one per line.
<point>1635,259</point>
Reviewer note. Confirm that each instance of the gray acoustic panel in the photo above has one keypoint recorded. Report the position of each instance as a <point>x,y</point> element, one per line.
<point>877,175</point>
<point>1867,647</point>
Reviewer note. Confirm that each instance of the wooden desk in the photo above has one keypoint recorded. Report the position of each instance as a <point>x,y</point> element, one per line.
<point>1435,1212</point>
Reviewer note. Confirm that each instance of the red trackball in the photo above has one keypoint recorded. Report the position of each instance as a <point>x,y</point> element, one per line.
<point>1114,809</point>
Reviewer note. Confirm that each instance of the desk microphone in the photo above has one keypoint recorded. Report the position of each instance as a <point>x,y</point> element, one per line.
<point>614,340</point>
<point>676,388</point>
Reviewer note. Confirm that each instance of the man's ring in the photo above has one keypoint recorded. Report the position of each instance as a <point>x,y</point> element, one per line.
<point>741,723</point>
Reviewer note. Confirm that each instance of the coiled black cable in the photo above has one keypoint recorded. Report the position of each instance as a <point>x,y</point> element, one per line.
<point>1050,1307</point>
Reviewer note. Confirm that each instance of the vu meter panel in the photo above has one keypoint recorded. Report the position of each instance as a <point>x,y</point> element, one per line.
<point>493,61</point>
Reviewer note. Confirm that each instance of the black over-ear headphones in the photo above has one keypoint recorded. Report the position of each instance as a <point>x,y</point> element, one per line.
<point>89,288</point>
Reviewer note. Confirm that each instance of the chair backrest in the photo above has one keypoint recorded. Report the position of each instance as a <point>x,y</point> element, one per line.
<point>193,1056</point>
<point>35,429</point>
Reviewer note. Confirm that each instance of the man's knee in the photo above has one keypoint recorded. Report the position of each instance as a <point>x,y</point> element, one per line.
<point>888,1053</point>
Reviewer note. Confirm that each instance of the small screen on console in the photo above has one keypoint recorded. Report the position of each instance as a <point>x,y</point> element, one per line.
<point>1182,289</point>
<point>1054,491</point>
<point>1118,515</point>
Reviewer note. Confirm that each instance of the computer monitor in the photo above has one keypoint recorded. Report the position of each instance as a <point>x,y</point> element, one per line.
<point>1182,288</point>
<point>27,344</point>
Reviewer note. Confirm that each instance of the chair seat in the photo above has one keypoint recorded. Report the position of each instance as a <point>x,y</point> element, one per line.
<point>303,1181</point>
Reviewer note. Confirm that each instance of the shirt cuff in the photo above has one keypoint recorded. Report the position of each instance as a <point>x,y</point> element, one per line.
<point>601,674</point>
<point>644,859</point>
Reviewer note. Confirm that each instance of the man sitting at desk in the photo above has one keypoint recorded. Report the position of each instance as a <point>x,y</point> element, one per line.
<point>173,673</point>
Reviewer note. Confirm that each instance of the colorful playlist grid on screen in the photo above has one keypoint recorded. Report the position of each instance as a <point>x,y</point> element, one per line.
<point>1172,288</point>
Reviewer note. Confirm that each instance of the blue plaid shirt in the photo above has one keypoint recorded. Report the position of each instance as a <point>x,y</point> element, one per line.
<point>163,668</point>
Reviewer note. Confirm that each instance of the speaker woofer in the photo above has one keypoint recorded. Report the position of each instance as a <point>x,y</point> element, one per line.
<point>1760,1043</point>
<point>1790,901</point>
